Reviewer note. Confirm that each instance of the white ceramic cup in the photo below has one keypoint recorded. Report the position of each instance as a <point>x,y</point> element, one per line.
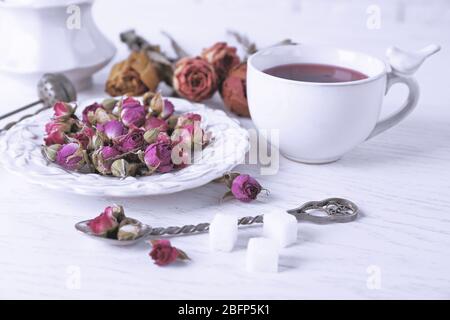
<point>320,122</point>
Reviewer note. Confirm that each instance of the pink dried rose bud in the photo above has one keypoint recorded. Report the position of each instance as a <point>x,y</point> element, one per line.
<point>112,129</point>
<point>133,113</point>
<point>194,79</point>
<point>103,158</point>
<point>190,134</point>
<point>245,188</point>
<point>62,109</point>
<point>84,137</point>
<point>222,57</point>
<point>158,157</point>
<point>167,110</point>
<point>88,114</point>
<point>55,132</point>
<point>107,222</point>
<point>234,91</point>
<point>70,156</point>
<point>156,123</point>
<point>163,253</point>
<point>133,140</point>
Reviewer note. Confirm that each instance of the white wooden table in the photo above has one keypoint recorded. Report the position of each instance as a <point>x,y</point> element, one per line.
<point>399,248</point>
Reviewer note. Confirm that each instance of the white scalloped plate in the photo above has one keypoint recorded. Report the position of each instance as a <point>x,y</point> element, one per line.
<point>20,148</point>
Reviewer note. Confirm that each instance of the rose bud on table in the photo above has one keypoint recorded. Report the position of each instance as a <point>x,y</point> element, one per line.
<point>234,90</point>
<point>194,79</point>
<point>163,253</point>
<point>242,186</point>
<point>222,57</point>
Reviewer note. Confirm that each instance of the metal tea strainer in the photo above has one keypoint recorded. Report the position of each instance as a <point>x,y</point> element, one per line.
<point>52,87</point>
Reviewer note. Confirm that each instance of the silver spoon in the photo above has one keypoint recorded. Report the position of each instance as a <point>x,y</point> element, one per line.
<point>52,87</point>
<point>322,212</point>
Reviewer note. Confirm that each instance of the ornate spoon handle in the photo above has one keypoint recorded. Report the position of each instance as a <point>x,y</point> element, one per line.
<point>335,209</point>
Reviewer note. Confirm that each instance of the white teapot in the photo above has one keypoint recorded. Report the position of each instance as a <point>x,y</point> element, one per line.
<point>40,36</point>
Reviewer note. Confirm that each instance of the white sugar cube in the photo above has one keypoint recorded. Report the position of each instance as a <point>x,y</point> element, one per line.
<point>223,232</point>
<point>281,227</point>
<point>262,255</point>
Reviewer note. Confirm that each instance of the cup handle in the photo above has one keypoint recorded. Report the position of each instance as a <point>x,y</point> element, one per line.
<point>407,107</point>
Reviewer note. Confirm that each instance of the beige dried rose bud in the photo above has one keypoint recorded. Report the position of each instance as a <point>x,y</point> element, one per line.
<point>51,151</point>
<point>157,103</point>
<point>151,135</point>
<point>129,229</point>
<point>109,104</point>
<point>122,168</point>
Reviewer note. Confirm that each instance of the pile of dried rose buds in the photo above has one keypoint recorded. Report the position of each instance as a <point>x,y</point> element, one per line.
<point>124,137</point>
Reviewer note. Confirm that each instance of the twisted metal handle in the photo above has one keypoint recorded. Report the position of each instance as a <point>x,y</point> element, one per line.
<point>201,227</point>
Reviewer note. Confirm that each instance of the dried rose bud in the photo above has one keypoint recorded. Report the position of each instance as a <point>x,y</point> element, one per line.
<point>172,121</point>
<point>245,188</point>
<point>163,253</point>
<point>122,168</point>
<point>107,222</point>
<point>151,135</point>
<point>109,104</point>
<point>55,132</point>
<point>133,140</point>
<point>103,157</point>
<point>63,110</point>
<point>70,156</point>
<point>133,113</point>
<point>84,136</point>
<point>155,123</point>
<point>222,57</point>
<point>128,231</point>
<point>102,116</point>
<point>158,157</point>
<point>234,91</point>
<point>168,110</point>
<point>99,140</point>
<point>112,129</point>
<point>163,137</point>
<point>88,114</point>
<point>51,151</point>
<point>157,103</point>
<point>194,79</point>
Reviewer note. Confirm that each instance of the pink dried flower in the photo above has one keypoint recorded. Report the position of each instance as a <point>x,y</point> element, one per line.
<point>163,253</point>
<point>133,140</point>
<point>107,222</point>
<point>194,79</point>
<point>156,123</point>
<point>158,157</point>
<point>70,156</point>
<point>245,188</point>
<point>112,129</point>
<point>222,57</point>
